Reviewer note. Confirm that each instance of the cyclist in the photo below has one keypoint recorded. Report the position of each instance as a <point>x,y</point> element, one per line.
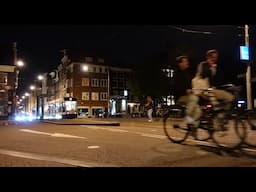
<point>183,92</point>
<point>208,69</point>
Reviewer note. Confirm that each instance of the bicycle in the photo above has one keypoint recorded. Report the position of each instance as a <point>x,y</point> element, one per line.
<point>231,134</point>
<point>249,118</point>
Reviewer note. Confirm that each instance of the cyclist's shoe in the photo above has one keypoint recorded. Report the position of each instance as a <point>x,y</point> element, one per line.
<point>192,129</point>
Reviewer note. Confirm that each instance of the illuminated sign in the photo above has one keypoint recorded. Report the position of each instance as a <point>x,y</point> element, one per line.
<point>244,53</point>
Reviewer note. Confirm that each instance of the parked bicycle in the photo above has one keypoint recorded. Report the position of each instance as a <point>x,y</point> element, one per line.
<point>230,134</point>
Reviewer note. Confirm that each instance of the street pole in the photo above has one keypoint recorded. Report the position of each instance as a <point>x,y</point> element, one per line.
<point>13,110</point>
<point>248,72</point>
<point>108,90</point>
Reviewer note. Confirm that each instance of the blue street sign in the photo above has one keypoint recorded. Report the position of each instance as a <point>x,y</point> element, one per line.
<point>244,53</point>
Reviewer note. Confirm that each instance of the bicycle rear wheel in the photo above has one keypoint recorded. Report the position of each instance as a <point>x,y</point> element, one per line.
<point>233,136</point>
<point>251,130</point>
<point>175,128</point>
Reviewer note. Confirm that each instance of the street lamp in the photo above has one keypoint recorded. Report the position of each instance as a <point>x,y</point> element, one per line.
<point>32,87</point>
<point>85,68</point>
<point>40,77</point>
<point>20,63</point>
<point>26,94</point>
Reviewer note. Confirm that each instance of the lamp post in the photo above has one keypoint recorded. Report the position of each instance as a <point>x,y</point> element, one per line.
<point>17,65</point>
<point>40,97</point>
<point>248,72</point>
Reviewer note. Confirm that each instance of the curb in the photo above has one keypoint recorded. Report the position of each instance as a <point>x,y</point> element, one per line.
<point>97,124</point>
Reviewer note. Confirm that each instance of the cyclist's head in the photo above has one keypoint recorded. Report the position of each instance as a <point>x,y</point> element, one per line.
<point>212,56</point>
<point>182,62</point>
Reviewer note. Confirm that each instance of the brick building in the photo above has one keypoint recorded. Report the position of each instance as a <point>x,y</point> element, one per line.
<point>90,83</point>
<point>8,85</point>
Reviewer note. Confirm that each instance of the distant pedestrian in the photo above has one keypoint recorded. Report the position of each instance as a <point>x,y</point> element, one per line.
<point>149,108</point>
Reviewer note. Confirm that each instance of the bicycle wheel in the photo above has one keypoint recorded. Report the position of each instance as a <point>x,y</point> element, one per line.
<point>175,128</point>
<point>250,124</point>
<point>202,133</point>
<point>233,136</point>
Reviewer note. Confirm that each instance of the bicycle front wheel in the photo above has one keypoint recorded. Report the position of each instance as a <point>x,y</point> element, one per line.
<point>175,128</point>
<point>232,137</point>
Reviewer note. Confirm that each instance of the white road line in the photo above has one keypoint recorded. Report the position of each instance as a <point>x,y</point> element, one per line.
<point>108,129</point>
<point>36,132</point>
<point>93,147</point>
<point>154,136</point>
<point>52,134</point>
<point>53,159</point>
<point>206,143</point>
<point>67,136</point>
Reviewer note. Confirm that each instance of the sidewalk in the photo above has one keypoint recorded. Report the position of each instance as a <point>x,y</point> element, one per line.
<point>7,122</point>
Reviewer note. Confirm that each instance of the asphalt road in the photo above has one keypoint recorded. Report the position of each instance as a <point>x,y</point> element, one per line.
<point>135,143</point>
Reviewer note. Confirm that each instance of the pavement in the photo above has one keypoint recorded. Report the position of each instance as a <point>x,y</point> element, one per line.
<point>7,122</point>
<point>135,143</point>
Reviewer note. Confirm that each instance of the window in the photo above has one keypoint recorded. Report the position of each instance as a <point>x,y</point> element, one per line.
<point>114,83</point>
<point>96,111</point>
<point>100,60</point>
<point>114,75</point>
<point>121,84</point>
<point>103,82</point>
<point>95,96</point>
<point>94,69</point>
<point>83,111</point>
<point>67,83</point>
<point>71,83</point>
<point>85,96</point>
<point>88,59</point>
<point>103,96</point>
<point>106,70</point>
<point>95,82</point>
<point>3,78</point>
<point>85,82</point>
<point>121,74</point>
<point>100,70</point>
<point>115,92</point>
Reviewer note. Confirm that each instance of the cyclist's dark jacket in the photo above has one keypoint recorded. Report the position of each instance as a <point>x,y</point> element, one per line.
<point>182,82</point>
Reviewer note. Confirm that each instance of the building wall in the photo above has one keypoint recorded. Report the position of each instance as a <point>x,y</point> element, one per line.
<point>76,88</point>
<point>8,90</point>
<point>69,83</point>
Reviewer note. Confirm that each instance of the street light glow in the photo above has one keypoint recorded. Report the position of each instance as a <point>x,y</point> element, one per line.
<point>26,94</point>
<point>40,77</point>
<point>23,97</point>
<point>32,87</point>
<point>85,68</point>
<point>20,63</point>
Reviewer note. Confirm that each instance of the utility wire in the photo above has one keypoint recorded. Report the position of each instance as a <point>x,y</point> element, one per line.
<point>191,31</point>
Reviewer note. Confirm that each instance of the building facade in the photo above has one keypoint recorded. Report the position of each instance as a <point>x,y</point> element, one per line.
<point>8,85</point>
<point>85,88</point>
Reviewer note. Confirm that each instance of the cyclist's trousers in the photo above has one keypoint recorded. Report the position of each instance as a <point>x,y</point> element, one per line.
<point>193,110</point>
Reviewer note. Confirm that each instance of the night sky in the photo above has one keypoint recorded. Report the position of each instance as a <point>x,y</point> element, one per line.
<point>138,47</point>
